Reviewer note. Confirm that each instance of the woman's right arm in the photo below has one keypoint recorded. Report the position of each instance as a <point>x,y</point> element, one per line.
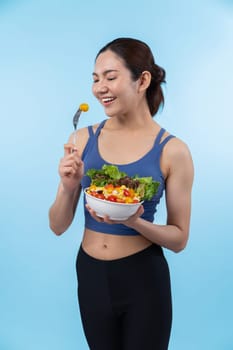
<point>71,170</point>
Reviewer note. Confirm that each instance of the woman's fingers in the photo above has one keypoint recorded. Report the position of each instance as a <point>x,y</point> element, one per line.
<point>71,164</point>
<point>69,148</point>
<point>93,214</point>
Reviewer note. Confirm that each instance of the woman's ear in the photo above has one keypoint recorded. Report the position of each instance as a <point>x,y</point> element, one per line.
<point>144,80</point>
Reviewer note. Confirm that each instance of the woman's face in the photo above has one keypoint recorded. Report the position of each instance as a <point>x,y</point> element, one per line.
<point>113,85</point>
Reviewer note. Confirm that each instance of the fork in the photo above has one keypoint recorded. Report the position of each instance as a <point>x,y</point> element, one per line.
<point>82,108</point>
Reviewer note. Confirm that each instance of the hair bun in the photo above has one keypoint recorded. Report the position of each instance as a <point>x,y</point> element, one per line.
<point>158,74</point>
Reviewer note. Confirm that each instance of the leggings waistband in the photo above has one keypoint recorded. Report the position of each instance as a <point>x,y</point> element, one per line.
<point>153,249</point>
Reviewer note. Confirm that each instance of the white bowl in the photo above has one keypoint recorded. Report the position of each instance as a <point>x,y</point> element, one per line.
<point>115,211</point>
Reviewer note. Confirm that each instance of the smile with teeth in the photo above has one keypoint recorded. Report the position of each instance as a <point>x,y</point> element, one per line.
<point>107,99</point>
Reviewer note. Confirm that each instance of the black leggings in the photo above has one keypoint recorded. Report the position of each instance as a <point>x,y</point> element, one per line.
<point>125,304</point>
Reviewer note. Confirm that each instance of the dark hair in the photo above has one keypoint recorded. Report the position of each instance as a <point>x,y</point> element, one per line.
<point>138,57</point>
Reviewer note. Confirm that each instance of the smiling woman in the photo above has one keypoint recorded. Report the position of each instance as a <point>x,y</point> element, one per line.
<point>117,310</point>
<point>46,64</point>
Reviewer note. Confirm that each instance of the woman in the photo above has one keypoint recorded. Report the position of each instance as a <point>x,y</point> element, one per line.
<point>123,277</point>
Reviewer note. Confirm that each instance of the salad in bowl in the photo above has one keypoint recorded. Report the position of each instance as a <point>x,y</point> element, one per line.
<point>115,194</point>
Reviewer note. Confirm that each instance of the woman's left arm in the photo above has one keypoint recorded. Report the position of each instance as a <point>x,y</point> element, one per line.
<point>179,180</point>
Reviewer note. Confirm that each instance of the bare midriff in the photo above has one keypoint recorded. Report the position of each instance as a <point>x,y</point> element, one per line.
<point>108,246</point>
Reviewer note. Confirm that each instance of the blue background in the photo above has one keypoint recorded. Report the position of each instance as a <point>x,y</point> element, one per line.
<point>47,51</point>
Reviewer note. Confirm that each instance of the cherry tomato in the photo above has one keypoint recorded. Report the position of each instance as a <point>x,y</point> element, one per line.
<point>112,198</point>
<point>119,200</point>
<point>97,195</point>
<point>100,196</point>
<point>126,193</point>
<point>93,193</point>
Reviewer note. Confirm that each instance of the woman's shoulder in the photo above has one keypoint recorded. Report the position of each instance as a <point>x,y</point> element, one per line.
<point>176,154</point>
<point>177,147</point>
